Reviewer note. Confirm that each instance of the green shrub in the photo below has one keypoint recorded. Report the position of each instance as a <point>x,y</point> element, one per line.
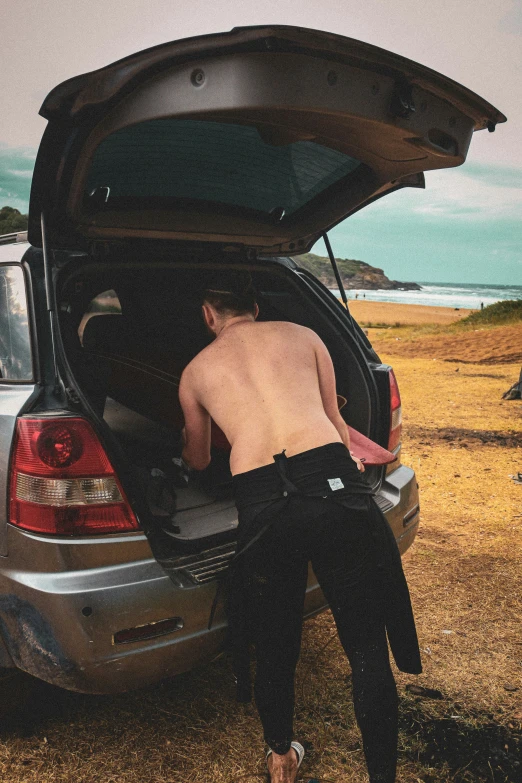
<point>12,220</point>
<point>508,311</point>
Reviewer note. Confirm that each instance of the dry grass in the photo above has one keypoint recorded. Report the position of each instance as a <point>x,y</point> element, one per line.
<point>464,572</point>
<point>493,345</point>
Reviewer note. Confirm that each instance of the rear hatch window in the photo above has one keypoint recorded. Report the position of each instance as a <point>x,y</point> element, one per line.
<point>214,163</point>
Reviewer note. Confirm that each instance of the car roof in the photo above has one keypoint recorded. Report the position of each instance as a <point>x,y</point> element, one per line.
<point>14,250</point>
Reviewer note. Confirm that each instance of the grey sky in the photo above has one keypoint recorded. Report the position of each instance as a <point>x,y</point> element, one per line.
<point>475,42</point>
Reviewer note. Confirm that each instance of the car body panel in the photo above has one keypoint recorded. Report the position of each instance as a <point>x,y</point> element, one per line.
<point>12,400</point>
<point>13,251</point>
<point>61,605</point>
<point>62,599</point>
<point>76,95</point>
<point>294,88</point>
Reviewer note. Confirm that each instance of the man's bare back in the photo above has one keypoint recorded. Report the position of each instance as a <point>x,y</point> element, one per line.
<point>269,386</point>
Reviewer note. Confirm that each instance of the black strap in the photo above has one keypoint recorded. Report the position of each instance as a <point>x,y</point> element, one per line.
<point>288,489</point>
<point>281,461</point>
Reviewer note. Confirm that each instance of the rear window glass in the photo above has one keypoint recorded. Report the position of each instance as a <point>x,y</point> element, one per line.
<point>214,162</point>
<point>15,341</point>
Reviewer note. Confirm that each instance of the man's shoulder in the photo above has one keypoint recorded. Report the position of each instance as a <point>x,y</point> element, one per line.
<point>192,371</point>
<point>293,328</point>
<point>188,371</point>
<point>299,332</point>
<point>290,332</point>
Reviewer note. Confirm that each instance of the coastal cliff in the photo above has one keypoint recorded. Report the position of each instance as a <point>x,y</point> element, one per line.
<point>354,274</point>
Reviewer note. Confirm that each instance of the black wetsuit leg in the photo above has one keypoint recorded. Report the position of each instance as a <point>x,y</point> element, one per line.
<point>275,574</point>
<point>339,544</point>
<point>345,569</point>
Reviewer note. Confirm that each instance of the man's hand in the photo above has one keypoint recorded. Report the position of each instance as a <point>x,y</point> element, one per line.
<point>358,462</point>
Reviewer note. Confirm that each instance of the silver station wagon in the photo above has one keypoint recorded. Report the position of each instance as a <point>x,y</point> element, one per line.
<point>227,150</point>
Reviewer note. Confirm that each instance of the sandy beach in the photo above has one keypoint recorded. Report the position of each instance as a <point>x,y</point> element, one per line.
<point>391,313</point>
<point>392,332</point>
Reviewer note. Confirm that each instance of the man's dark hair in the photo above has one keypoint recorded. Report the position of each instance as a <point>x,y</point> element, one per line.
<point>230,292</point>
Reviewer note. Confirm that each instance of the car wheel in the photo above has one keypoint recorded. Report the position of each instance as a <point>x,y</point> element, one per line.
<point>15,688</point>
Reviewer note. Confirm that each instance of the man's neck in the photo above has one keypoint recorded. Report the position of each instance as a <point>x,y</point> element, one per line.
<point>236,320</point>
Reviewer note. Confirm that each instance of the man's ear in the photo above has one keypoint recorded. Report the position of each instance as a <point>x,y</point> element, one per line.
<point>256,311</point>
<point>208,315</point>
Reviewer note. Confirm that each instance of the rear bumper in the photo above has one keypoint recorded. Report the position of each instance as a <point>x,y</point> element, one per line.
<point>60,625</point>
<point>399,499</point>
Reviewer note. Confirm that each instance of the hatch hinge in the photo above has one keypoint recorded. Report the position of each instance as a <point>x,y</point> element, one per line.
<point>50,303</point>
<point>72,395</point>
<point>402,103</point>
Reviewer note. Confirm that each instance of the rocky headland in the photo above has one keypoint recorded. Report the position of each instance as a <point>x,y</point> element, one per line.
<point>354,274</point>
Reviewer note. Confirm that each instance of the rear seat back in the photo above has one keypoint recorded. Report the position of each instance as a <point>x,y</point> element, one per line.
<point>104,331</point>
<point>143,373</point>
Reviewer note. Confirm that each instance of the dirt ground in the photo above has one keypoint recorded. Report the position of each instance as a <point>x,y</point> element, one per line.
<point>460,720</point>
<point>495,345</point>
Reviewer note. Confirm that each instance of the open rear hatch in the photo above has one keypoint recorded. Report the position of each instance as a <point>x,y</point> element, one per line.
<point>260,140</point>
<point>263,137</point>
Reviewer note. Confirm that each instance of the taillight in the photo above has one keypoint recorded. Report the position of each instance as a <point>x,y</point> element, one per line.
<point>395,413</point>
<point>62,481</point>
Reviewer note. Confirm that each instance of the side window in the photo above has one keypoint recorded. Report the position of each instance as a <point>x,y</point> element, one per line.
<point>15,342</point>
<point>104,304</point>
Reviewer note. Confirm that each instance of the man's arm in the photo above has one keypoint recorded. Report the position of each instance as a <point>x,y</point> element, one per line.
<point>196,432</point>
<point>327,386</point>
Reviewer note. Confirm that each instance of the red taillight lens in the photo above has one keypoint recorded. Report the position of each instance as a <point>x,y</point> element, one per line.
<point>62,481</point>
<point>395,413</point>
<point>62,449</point>
<point>56,445</point>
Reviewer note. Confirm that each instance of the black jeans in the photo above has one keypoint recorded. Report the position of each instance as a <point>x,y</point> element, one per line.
<point>340,547</point>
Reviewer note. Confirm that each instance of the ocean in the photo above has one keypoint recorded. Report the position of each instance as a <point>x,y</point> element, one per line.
<point>464,295</point>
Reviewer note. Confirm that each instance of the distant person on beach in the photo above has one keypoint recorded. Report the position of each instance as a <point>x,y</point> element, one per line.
<point>482,305</point>
<point>300,494</point>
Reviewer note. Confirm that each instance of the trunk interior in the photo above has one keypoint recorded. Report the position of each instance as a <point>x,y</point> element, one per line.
<point>128,331</point>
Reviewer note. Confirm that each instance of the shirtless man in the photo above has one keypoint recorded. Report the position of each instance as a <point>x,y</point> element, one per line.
<point>270,386</point>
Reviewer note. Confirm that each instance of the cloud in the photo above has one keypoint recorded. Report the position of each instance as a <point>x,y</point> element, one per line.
<point>501,176</point>
<point>474,191</point>
<point>16,171</point>
<point>465,227</point>
<point>512,21</point>
<point>421,247</point>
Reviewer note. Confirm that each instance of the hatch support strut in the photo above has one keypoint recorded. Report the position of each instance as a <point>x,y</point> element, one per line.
<point>336,272</point>
<point>49,299</point>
